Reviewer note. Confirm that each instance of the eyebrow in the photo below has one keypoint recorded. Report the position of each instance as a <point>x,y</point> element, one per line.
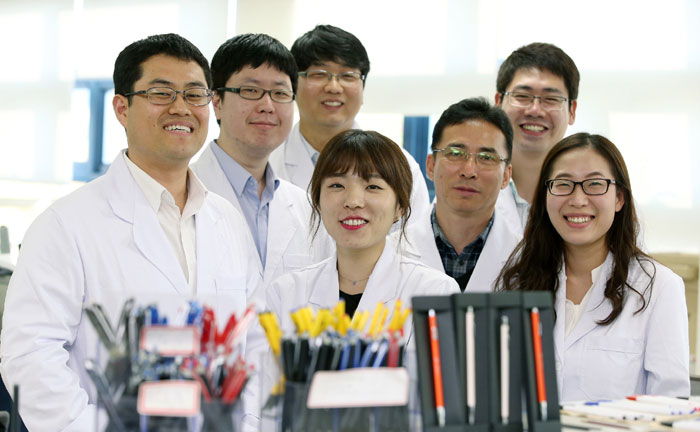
<point>257,82</point>
<point>544,90</point>
<point>481,149</point>
<point>165,82</point>
<point>594,174</point>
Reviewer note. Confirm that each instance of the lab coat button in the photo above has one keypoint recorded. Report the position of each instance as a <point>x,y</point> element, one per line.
<point>558,366</point>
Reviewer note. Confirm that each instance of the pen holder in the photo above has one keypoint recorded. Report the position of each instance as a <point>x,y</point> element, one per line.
<point>542,300</point>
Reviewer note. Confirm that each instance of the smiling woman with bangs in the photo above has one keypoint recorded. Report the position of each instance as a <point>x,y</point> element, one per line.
<point>621,321</point>
<point>361,186</point>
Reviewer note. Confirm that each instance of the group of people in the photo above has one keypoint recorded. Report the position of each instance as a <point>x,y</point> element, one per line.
<point>284,216</point>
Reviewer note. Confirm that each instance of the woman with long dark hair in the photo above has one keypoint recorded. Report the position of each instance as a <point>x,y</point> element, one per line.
<point>621,320</point>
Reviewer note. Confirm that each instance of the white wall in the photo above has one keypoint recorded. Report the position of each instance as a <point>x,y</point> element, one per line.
<point>639,62</point>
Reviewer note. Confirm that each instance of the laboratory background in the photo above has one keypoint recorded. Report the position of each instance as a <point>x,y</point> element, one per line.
<point>639,62</point>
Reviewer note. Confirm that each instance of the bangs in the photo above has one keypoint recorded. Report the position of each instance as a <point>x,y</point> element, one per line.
<point>357,158</point>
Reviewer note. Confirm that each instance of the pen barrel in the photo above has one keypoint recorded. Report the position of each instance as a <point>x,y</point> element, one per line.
<point>435,352</point>
<point>537,348</point>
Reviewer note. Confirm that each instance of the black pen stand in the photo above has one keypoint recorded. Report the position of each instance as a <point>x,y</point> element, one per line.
<point>542,300</point>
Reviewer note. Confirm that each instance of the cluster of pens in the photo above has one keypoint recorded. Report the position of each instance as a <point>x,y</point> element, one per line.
<point>331,341</point>
<point>151,361</point>
<point>495,344</point>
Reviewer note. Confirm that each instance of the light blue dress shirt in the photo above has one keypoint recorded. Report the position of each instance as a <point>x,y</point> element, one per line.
<point>255,210</point>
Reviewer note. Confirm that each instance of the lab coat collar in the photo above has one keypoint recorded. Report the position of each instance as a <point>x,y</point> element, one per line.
<point>597,309</point>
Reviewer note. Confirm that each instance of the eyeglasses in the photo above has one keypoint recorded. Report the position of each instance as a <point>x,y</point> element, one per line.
<point>594,186</point>
<point>524,100</point>
<point>321,77</point>
<point>257,93</point>
<point>197,96</point>
<point>483,159</point>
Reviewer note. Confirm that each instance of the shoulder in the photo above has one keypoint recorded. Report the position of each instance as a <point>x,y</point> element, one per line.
<point>665,285</point>
<point>422,275</point>
<point>292,192</point>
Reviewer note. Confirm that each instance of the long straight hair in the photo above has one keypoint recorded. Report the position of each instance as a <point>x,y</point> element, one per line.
<point>535,263</point>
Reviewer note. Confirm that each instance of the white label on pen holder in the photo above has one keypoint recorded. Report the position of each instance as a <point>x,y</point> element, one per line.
<point>174,398</point>
<point>170,341</point>
<point>360,387</point>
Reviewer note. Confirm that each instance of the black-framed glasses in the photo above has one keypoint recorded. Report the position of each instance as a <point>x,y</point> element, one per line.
<point>197,96</point>
<point>483,159</point>
<point>257,93</point>
<point>593,186</point>
<point>320,77</point>
<point>524,100</point>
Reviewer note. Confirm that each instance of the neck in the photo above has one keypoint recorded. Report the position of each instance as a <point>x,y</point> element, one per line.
<point>357,265</point>
<point>318,136</point>
<point>581,260</point>
<point>526,172</point>
<point>461,229</point>
<point>172,177</point>
<point>254,164</point>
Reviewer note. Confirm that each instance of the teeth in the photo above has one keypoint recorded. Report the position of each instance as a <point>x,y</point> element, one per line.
<point>533,128</point>
<point>182,128</point>
<point>333,103</point>
<point>354,222</point>
<point>579,220</point>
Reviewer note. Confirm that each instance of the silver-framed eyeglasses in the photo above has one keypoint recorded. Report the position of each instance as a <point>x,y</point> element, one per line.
<point>321,77</point>
<point>592,186</point>
<point>196,96</point>
<point>482,159</point>
<point>257,93</point>
<point>524,100</point>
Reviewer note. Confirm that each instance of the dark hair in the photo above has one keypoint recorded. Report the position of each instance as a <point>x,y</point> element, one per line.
<point>474,109</point>
<point>252,50</point>
<point>537,259</point>
<point>542,56</point>
<point>127,67</point>
<point>367,153</point>
<point>329,43</point>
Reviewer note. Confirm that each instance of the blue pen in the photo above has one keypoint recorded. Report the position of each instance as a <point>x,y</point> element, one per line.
<point>357,349</point>
<point>381,353</point>
<point>367,355</point>
<point>194,316</point>
<point>345,357</point>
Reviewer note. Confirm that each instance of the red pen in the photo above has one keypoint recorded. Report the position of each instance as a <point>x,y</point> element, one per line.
<point>539,364</point>
<point>437,369</point>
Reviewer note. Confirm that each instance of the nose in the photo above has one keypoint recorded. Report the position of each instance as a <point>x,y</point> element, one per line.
<point>578,198</point>
<point>535,108</point>
<point>179,106</point>
<point>355,197</point>
<point>333,85</point>
<point>469,168</point>
<point>266,104</point>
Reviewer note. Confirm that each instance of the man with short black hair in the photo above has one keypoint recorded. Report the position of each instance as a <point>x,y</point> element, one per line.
<point>333,67</point>
<point>464,235</point>
<point>148,229</point>
<point>537,86</point>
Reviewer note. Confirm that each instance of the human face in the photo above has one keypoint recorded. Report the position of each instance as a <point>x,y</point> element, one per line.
<point>534,129</point>
<point>463,187</point>
<point>357,213</point>
<point>330,105</point>
<point>583,220</point>
<point>252,129</point>
<point>164,136</point>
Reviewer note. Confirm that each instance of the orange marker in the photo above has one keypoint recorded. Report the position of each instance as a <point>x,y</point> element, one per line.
<point>437,369</point>
<point>539,364</point>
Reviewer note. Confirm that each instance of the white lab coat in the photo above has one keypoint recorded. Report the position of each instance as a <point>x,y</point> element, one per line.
<point>646,353</point>
<point>505,204</point>
<point>291,162</point>
<point>289,245</point>
<point>501,241</point>
<point>103,243</point>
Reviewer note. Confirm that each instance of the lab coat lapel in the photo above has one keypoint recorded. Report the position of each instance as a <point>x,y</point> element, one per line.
<point>597,308</point>
<point>210,249</point>
<point>382,284</point>
<point>129,203</point>
<point>325,291</point>
<point>421,241</point>
<point>279,232</point>
<point>560,323</point>
<point>297,160</point>
<point>209,171</point>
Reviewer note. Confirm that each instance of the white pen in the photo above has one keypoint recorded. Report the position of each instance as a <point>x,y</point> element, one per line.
<point>667,401</point>
<point>649,408</point>
<point>608,412</point>
<point>505,369</point>
<point>471,360</point>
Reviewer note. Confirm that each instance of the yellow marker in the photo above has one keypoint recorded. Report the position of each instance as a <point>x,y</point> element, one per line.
<point>362,322</point>
<point>306,316</point>
<point>297,320</point>
<point>268,321</point>
<point>395,316</point>
<point>339,310</point>
<point>404,315</point>
<point>343,325</point>
<point>375,317</point>
<point>380,322</point>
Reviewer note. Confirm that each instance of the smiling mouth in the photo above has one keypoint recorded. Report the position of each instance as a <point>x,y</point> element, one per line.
<point>578,219</point>
<point>533,128</point>
<point>178,128</point>
<point>333,103</point>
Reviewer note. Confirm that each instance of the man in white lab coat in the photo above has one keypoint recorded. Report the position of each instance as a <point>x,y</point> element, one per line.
<point>537,87</point>
<point>464,234</point>
<point>147,229</point>
<point>333,67</point>
<point>255,78</point>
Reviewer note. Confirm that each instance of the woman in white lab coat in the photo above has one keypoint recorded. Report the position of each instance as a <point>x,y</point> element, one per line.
<point>361,186</point>
<point>621,322</point>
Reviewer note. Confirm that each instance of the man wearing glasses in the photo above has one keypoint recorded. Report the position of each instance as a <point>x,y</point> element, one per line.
<point>537,87</point>
<point>255,78</point>
<point>148,229</point>
<point>333,68</point>
<point>465,235</point>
